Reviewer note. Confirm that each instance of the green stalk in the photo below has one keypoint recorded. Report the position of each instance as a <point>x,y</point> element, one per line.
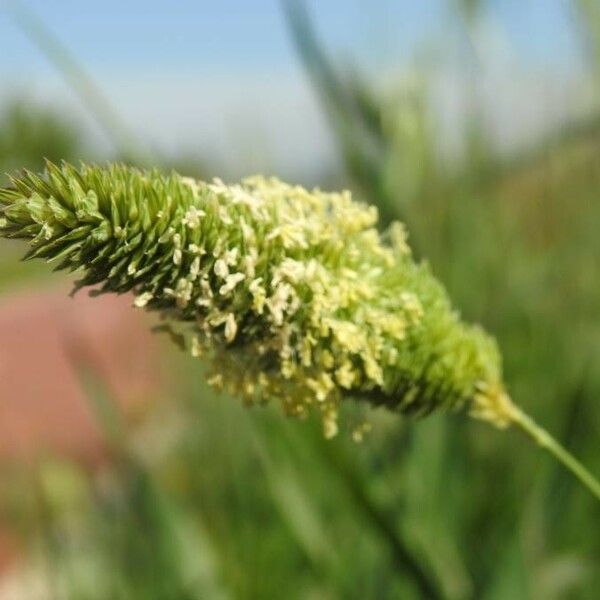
<point>543,439</point>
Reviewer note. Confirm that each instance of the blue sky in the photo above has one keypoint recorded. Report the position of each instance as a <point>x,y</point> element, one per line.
<point>229,34</point>
<point>251,34</point>
<point>196,73</point>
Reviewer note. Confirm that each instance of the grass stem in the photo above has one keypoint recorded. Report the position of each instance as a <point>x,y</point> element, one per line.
<point>543,439</point>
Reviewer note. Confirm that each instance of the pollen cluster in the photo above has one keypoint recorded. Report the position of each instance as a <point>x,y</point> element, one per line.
<point>290,295</point>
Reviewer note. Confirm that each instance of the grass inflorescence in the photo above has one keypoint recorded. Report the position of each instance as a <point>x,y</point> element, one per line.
<point>291,295</point>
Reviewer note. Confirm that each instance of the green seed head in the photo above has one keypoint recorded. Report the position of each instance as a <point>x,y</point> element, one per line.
<point>291,295</point>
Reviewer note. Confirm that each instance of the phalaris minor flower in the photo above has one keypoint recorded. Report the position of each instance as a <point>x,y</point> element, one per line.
<point>290,295</point>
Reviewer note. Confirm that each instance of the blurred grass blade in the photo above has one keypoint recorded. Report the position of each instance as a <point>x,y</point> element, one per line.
<point>352,110</point>
<point>588,12</point>
<point>159,552</point>
<point>382,523</point>
<point>152,550</point>
<point>79,80</point>
<point>296,506</point>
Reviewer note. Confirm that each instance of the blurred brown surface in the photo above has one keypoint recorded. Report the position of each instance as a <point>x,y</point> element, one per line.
<point>43,406</point>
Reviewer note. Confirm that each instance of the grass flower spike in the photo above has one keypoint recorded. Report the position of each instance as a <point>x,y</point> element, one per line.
<point>290,295</point>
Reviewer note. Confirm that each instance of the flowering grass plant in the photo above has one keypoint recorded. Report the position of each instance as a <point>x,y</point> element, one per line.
<point>291,295</point>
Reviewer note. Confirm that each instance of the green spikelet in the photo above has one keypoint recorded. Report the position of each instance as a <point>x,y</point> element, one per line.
<point>292,295</point>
